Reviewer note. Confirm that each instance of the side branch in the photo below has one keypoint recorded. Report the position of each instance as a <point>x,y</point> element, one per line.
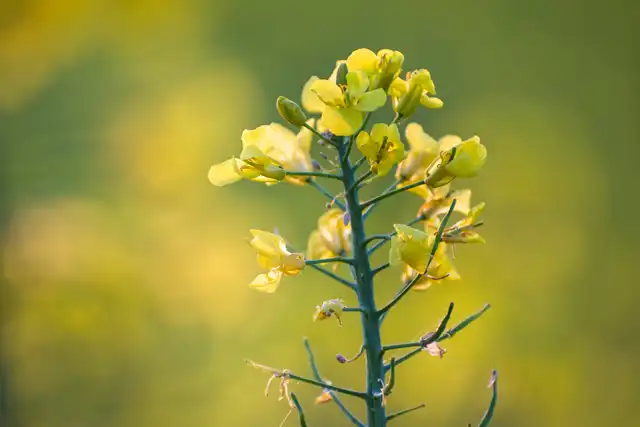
<point>313,173</point>
<point>334,396</point>
<point>328,260</point>
<point>390,193</point>
<point>405,411</point>
<point>321,136</point>
<point>327,194</point>
<point>428,338</point>
<point>419,276</point>
<point>301,417</point>
<point>493,383</point>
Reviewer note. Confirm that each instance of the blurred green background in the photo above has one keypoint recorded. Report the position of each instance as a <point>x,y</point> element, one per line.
<point>124,297</point>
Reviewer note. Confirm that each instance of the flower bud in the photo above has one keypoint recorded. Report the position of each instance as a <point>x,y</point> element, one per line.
<point>466,159</point>
<point>290,111</point>
<point>341,74</point>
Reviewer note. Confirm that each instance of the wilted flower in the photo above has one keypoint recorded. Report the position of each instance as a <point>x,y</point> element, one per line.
<point>382,148</point>
<point>463,231</point>
<point>331,308</point>
<point>324,397</point>
<point>274,257</point>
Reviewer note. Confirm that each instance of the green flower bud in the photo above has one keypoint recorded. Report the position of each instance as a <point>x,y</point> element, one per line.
<point>290,111</point>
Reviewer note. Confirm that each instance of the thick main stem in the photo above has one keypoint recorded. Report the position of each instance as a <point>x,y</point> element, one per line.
<point>376,416</point>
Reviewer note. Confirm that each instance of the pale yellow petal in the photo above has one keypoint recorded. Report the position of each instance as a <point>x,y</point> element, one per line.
<point>310,100</point>
<point>357,83</point>
<point>419,140</point>
<point>224,173</point>
<point>328,92</point>
<point>371,101</point>
<point>362,60</point>
<point>342,121</point>
<point>257,136</point>
<point>267,282</point>
<point>449,141</point>
<point>266,243</point>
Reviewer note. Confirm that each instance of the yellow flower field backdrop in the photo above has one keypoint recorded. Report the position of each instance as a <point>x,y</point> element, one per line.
<point>125,298</point>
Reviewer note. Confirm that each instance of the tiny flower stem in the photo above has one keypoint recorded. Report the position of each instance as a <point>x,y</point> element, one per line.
<point>401,345</point>
<point>352,309</point>
<point>326,192</point>
<point>361,179</point>
<point>375,237</point>
<point>380,268</point>
<point>390,193</point>
<point>312,173</point>
<point>327,386</point>
<point>333,276</point>
<point>445,335</point>
<point>359,163</point>
<point>328,260</point>
<point>303,421</point>
<point>334,396</point>
<point>368,211</point>
<point>493,383</point>
<point>321,136</point>
<point>405,411</point>
<point>417,278</point>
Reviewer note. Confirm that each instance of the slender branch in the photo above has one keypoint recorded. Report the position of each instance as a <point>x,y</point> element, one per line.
<point>380,268</point>
<point>429,338</point>
<point>313,173</point>
<point>375,237</point>
<point>446,335</point>
<point>392,378</point>
<point>335,397</point>
<point>419,276</point>
<point>352,309</point>
<point>360,180</point>
<point>368,211</point>
<point>328,260</point>
<point>359,162</point>
<point>493,383</point>
<point>321,136</point>
<point>333,276</point>
<point>303,421</point>
<point>401,346</point>
<point>326,192</point>
<point>391,193</point>
<point>405,411</point>
<point>325,385</point>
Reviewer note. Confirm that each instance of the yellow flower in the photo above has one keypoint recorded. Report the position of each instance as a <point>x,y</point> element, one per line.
<point>382,68</point>
<point>412,247</point>
<point>382,148</point>
<point>458,159</point>
<point>438,272</point>
<point>438,200</point>
<point>331,308</point>
<point>423,150</point>
<point>345,105</point>
<point>407,94</point>
<point>332,237</point>
<point>463,231</point>
<point>267,151</point>
<point>274,257</point>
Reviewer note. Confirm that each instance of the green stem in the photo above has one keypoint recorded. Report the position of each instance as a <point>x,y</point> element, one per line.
<point>301,418</point>
<point>334,396</point>
<point>405,411</point>
<point>327,386</point>
<point>391,193</point>
<point>326,192</point>
<point>370,209</point>
<point>312,173</point>
<point>402,345</point>
<point>328,260</point>
<point>376,413</point>
<point>333,276</point>
<point>380,268</point>
<point>486,419</point>
<point>362,178</point>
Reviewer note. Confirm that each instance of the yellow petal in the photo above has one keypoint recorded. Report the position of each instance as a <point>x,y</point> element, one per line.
<point>224,173</point>
<point>305,137</point>
<point>357,83</point>
<point>257,136</point>
<point>362,60</point>
<point>342,121</point>
<point>367,145</point>
<point>394,134</point>
<point>328,92</point>
<point>463,200</point>
<point>394,252</point>
<point>398,87</point>
<point>371,101</point>
<point>449,141</point>
<point>267,244</point>
<point>419,140</point>
<point>310,100</point>
<point>468,159</point>
<point>267,282</point>
<point>431,102</point>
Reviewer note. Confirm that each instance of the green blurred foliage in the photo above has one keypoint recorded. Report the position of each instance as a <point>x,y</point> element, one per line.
<point>124,299</point>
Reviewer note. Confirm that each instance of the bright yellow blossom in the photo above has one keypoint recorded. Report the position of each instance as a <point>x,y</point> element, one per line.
<point>458,159</point>
<point>274,257</point>
<point>407,94</point>
<point>412,247</point>
<point>332,237</point>
<point>382,148</point>
<point>267,151</point>
<point>423,150</point>
<point>345,105</point>
<point>382,68</point>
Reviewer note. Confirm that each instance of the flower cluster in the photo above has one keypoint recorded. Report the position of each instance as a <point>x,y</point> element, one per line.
<point>332,123</point>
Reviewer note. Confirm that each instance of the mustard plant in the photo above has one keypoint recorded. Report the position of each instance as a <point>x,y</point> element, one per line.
<point>422,248</point>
